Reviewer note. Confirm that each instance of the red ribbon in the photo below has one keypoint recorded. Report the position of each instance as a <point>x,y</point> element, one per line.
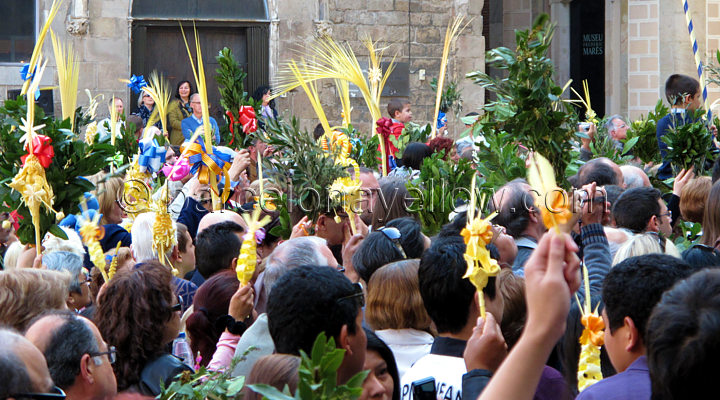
<point>41,149</point>
<point>248,119</point>
<point>386,127</point>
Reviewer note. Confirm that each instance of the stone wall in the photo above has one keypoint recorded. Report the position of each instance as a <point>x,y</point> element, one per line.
<point>413,29</point>
<point>100,31</point>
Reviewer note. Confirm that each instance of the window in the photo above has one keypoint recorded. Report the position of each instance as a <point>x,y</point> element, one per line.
<point>17,30</point>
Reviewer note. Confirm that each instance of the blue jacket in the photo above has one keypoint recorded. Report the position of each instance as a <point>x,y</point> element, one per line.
<point>189,125</point>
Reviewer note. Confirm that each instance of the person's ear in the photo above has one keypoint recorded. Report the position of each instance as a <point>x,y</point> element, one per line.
<point>320,224</point>
<point>175,254</point>
<point>344,341</point>
<point>233,263</point>
<point>87,367</point>
<point>654,224</point>
<point>633,335</point>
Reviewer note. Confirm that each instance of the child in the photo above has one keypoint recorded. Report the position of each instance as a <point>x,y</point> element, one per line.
<point>683,93</point>
<point>399,111</point>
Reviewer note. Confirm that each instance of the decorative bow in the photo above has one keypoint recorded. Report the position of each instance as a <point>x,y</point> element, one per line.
<point>442,120</point>
<point>477,235</point>
<point>152,156</point>
<point>248,119</point>
<point>26,76</point>
<point>203,163</point>
<point>593,332</point>
<point>260,235</point>
<point>137,83</point>
<point>41,149</point>
<point>384,129</point>
<point>178,171</point>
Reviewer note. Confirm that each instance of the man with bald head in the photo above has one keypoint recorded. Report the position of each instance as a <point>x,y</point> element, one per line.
<point>23,367</point>
<point>78,358</point>
<point>634,177</point>
<point>603,171</point>
<point>219,216</point>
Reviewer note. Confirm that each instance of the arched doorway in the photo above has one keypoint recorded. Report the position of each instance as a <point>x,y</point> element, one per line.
<point>157,43</point>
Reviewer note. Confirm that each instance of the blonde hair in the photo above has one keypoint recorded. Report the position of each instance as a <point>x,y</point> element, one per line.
<point>107,193</point>
<point>644,243</point>
<point>11,255</point>
<point>394,300</point>
<point>27,293</point>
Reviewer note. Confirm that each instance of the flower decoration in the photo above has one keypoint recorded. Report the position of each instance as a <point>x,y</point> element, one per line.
<point>247,260</point>
<point>549,198</point>
<point>41,149</point>
<point>136,83</point>
<point>477,234</point>
<point>348,192</point>
<point>91,234</point>
<point>152,156</point>
<point>592,338</point>
<point>204,163</point>
<point>163,230</point>
<point>177,171</point>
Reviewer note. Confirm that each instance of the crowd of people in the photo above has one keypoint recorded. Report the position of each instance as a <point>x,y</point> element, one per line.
<point>395,300</point>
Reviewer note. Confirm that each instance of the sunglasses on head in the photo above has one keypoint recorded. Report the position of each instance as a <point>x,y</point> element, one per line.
<point>394,235</point>
<point>177,306</point>
<point>357,294</point>
<point>55,394</point>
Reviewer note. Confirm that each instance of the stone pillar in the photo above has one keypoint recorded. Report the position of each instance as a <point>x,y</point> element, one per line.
<point>560,49</point>
<point>616,57</point>
<point>643,56</point>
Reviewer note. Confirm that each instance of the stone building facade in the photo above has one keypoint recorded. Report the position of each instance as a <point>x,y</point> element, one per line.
<point>635,44</point>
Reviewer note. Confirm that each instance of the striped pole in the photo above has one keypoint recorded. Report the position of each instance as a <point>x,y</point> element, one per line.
<point>698,61</point>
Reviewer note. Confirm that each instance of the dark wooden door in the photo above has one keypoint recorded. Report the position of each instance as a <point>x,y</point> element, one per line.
<point>162,48</point>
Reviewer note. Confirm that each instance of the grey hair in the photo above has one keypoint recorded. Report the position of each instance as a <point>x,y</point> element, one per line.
<point>142,238</point>
<point>65,261</point>
<point>609,126</point>
<point>67,345</point>
<point>15,376</point>
<point>632,180</point>
<point>291,254</point>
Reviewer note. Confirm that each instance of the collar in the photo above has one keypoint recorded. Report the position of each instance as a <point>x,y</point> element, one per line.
<point>445,346</point>
<point>526,241</point>
<point>639,365</point>
<point>198,120</point>
<point>677,110</point>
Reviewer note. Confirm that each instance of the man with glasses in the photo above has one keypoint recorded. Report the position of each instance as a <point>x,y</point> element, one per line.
<point>79,360</point>
<point>191,123</point>
<point>24,370</point>
<point>617,129</point>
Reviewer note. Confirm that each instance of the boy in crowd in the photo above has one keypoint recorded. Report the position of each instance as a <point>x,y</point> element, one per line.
<point>630,291</point>
<point>684,94</point>
<point>399,112</point>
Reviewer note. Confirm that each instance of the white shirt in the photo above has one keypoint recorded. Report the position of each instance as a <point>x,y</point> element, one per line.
<point>444,363</point>
<point>407,345</point>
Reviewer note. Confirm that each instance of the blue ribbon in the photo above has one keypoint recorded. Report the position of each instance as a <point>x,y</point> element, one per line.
<point>357,144</point>
<point>217,156</point>
<point>442,120</point>
<point>137,83</point>
<point>26,75</point>
<point>152,156</point>
<point>391,161</point>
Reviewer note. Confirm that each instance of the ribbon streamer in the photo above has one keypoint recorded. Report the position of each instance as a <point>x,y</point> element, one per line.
<point>178,171</point>
<point>136,83</point>
<point>698,61</point>
<point>152,156</point>
<point>203,164</point>
<point>41,149</point>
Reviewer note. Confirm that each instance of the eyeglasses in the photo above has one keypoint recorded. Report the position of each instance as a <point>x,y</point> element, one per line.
<point>357,294</point>
<point>177,306</point>
<point>667,214</point>
<point>111,353</point>
<point>55,394</point>
<point>394,235</point>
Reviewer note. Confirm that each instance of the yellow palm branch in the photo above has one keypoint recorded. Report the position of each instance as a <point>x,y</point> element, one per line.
<point>159,89</point>
<point>68,70</point>
<point>35,57</point>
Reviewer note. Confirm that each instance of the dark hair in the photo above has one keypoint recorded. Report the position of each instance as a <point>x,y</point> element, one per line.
<point>599,171</point>
<point>177,90</point>
<point>414,154</point>
<point>454,227</point>
<point>181,238</point>
<point>716,170</point>
<point>393,194</point>
<point>411,239</point>
<point>446,294</point>
<point>635,207</point>
<point>378,250</point>
<point>276,370</point>
<point>701,256</point>
<point>260,92</point>
<point>635,285</point>
<point>211,302</point>
<point>677,86</point>
<point>439,144</point>
<point>216,246</point>
<point>176,149</point>
<point>15,375</point>
<point>308,300</point>
<point>374,343</point>
<point>682,338</point>
<point>318,131</point>
<point>67,344</point>
<point>514,214</point>
<point>396,105</point>
<point>612,193</point>
<point>131,312</point>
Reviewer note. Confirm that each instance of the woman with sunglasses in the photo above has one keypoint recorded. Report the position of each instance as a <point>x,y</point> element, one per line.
<point>139,314</point>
